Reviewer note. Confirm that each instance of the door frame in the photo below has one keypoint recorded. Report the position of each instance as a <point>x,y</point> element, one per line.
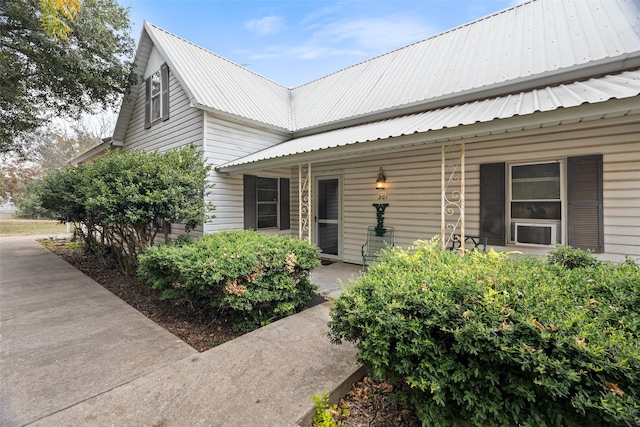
<point>315,205</point>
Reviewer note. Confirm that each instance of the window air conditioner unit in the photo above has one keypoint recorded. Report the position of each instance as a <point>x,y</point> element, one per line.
<point>527,233</point>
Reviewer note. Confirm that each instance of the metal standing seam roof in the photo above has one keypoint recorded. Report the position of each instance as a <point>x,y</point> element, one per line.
<point>215,83</point>
<point>535,38</point>
<point>620,86</point>
<point>486,58</point>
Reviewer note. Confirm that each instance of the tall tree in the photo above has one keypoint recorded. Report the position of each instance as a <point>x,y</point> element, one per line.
<point>15,177</point>
<point>52,146</point>
<point>54,13</point>
<point>48,71</point>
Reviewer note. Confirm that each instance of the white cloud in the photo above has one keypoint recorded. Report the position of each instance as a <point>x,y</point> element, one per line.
<point>266,25</point>
<point>379,34</point>
<point>358,37</point>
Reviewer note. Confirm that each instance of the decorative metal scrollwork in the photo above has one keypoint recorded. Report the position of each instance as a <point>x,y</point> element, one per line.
<point>453,196</point>
<point>304,204</point>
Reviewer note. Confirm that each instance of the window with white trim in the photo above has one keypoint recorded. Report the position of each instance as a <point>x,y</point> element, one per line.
<point>529,203</point>
<point>156,104</point>
<point>267,202</point>
<point>156,98</point>
<point>536,193</point>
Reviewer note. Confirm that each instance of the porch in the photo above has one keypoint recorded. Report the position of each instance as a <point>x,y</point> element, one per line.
<point>332,278</point>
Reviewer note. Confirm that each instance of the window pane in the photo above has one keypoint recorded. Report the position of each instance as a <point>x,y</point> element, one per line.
<point>541,210</point>
<point>267,195</point>
<point>155,84</point>
<point>267,189</point>
<point>536,182</point>
<point>536,190</point>
<point>267,203</point>
<point>155,107</point>
<point>544,170</point>
<point>267,215</point>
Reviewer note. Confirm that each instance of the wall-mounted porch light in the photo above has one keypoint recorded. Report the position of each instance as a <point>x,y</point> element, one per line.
<point>382,179</point>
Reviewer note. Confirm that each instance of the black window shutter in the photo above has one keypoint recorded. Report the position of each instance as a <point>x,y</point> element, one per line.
<point>147,103</point>
<point>250,201</point>
<point>585,220</point>
<point>285,214</point>
<point>492,203</point>
<point>164,75</point>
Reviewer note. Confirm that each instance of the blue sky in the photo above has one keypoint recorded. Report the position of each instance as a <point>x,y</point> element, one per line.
<point>296,41</point>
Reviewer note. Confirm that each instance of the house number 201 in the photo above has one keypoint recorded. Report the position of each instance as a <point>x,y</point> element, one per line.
<point>383,196</point>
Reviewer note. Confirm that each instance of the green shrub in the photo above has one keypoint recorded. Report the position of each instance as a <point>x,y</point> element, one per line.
<point>119,202</point>
<point>248,277</point>
<point>571,258</point>
<point>482,339</point>
<point>324,412</point>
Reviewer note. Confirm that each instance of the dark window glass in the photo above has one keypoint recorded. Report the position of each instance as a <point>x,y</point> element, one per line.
<point>536,182</point>
<point>267,203</point>
<point>537,210</point>
<point>156,102</point>
<point>536,190</point>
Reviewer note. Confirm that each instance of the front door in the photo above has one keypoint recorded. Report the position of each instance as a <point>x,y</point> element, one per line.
<point>328,216</point>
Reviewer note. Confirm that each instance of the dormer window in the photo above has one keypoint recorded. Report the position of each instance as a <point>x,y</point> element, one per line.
<point>156,100</point>
<point>157,96</point>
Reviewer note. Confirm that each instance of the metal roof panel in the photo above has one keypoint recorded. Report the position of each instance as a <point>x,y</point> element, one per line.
<point>622,86</point>
<point>218,84</point>
<point>531,45</point>
<point>533,38</point>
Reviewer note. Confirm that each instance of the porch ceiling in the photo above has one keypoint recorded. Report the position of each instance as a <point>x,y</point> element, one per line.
<point>591,94</point>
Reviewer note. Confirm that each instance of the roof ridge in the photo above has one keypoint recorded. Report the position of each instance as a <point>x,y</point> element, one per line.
<point>417,42</point>
<point>215,54</point>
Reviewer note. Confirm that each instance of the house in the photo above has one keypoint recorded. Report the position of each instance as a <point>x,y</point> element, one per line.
<point>522,127</point>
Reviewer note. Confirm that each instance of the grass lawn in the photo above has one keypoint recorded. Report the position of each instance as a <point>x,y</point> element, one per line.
<point>28,227</point>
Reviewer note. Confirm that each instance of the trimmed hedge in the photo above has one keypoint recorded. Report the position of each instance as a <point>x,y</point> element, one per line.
<point>119,202</point>
<point>248,278</point>
<point>483,339</point>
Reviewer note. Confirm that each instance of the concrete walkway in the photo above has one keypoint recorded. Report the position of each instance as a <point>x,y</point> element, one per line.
<point>73,354</point>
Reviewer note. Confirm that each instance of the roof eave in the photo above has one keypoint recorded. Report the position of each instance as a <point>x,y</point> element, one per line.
<point>94,152</point>
<point>496,126</point>
<point>128,101</point>
<point>242,120</point>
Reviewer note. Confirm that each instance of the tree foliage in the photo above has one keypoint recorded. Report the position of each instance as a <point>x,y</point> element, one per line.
<point>30,205</point>
<point>48,71</point>
<point>56,13</point>
<point>15,177</point>
<point>52,146</point>
<point>122,201</point>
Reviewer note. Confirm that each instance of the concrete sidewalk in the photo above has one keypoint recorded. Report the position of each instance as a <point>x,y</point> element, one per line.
<point>72,353</point>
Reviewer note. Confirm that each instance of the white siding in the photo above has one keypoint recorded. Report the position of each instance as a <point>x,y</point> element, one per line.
<point>154,63</point>
<point>413,182</point>
<point>226,141</point>
<point>183,127</point>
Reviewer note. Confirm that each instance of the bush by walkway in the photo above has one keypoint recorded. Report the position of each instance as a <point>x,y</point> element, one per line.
<point>483,339</point>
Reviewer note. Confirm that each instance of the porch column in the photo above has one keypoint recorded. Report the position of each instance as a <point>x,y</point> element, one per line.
<point>452,222</point>
<point>304,201</point>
